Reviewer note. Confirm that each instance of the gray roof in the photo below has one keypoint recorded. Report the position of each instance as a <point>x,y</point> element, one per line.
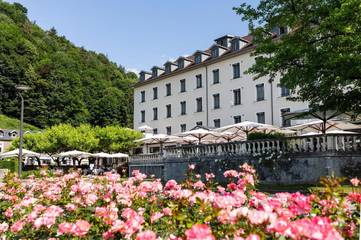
<point>8,135</point>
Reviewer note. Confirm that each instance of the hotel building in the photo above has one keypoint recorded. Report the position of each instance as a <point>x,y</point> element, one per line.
<point>210,88</point>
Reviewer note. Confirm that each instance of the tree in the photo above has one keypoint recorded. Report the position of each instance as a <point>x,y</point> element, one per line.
<point>65,137</point>
<point>69,84</point>
<point>320,57</point>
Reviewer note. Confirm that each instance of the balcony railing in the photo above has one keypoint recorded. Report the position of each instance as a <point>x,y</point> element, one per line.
<point>300,144</point>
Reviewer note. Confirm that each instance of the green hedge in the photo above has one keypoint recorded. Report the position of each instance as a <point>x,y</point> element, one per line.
<point>261,135</point>
<point>8,164</point>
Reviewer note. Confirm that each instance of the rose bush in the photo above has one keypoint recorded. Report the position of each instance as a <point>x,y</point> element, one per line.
<point>57,206</point>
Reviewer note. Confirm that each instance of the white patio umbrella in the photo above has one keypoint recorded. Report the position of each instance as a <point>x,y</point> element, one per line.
<point>320,126</point>
<point>157,139</point>
<point>75,153</point>
<point>200,134</point>
<point>231,136</point>
<point>15,153</point>
<point>102,155</point>
<point>246,127</point>
<point>329,132</point>
<point>145,128</point>
<point>120,155</point>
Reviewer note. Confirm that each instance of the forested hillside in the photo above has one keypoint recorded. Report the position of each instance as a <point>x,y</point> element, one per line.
<point>69,84</point>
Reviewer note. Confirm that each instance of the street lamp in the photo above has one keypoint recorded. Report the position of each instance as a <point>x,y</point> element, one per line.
<point>21,88</point>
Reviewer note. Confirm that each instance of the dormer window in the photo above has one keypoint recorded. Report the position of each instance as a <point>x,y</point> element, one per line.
<point>168,68</point>
<point>181,63</point>
<point>235,45</point>
<point>198,58</point>
<point>215,52</point>
<point>155,72</point>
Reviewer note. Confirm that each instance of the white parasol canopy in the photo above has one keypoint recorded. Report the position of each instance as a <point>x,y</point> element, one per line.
<point>75,153</point>
<point>319,126</point>
<point>102,155</point>
<point>247,127</point>
<point>15,153</point>
<point>145,128</point>
<point>200,133</point>
<point>120,155</point>
<point>329,132</point>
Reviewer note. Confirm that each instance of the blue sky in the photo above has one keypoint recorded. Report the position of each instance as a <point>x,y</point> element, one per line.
<point>139,34</point>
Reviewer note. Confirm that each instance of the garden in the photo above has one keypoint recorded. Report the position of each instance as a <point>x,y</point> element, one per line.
<point>53,205</point>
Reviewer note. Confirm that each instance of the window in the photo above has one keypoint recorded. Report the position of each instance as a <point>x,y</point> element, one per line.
<point>155,93</point>
<point>154,72</point>
<point>155,113</point>
<point>217,123</point>
<point>155,130</point>
<point>198,58</point>
<point>168,89</point>
<point>200,123</point>
<point>181,63</point>
<point>182,85</point>
<point>260,92</point>
<point>215,76</point>
<point>199,81</point>
<point>215,52</point>
<point>216,101</point>
<point>183,127</point>
<point>237,97</point>
<point>142,116</point>
<point>285,122</point>
<point>284,91</point>
<point>236,70</point>
<point>169,110</point>
<point>169,130</point>
<point>199,104</point>
<point>235,45</point>
<point>142,96</point>
<point>237,119</point>
<point>168,68</point>
<point>183,108</point>
<point>261,117</point>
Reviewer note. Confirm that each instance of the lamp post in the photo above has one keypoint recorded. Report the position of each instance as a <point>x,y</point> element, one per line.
<point>21,88</point>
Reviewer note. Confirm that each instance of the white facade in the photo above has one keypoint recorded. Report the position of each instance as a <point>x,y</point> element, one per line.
<point>248,109</point>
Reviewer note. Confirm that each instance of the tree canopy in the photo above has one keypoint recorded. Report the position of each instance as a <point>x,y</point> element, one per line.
<point>64,137</point>
<point>319,58</point>
<point>69,84</point>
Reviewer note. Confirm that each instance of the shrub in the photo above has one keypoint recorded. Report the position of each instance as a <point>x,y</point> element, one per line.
<point>68,206</point>
<point>261,135</point>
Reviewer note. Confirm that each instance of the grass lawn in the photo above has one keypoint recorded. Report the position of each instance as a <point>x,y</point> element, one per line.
<point>13,123</point>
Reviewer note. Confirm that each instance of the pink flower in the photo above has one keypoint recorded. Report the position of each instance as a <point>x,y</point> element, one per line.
<point>70,207</point>
<point>81,228</point>
<point>65,228</point>
<point>198,185</point>
<point>199,232</point>
<point>209,176</point>
<point>230,174</point>
<point>355,182</point>
<point>253,237</point>
<point>4,227</point>
<point>146,235</point>
<point>191,166</point>
<point>155,216</point>
<point>17,226</point>
<point>9,212</point>
<point>167,211</point>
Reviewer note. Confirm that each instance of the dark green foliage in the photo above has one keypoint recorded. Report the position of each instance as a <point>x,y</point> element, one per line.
<point>320,59</point>
<point>261,135</point>
<point>69,84</point>
<point>8,164</point>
